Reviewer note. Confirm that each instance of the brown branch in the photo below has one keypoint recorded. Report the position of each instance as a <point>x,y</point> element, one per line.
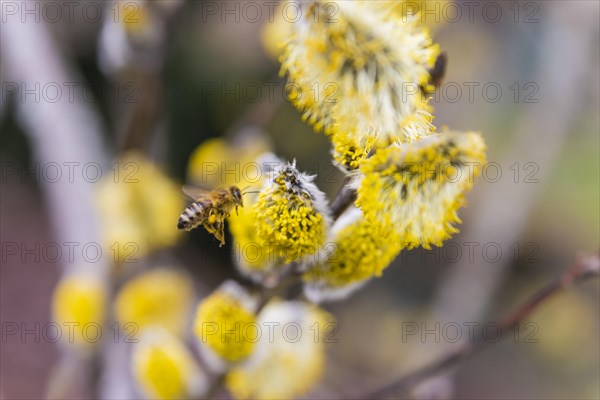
<point>147,110</point>
<point>583,268</point>
<point>344,198</point>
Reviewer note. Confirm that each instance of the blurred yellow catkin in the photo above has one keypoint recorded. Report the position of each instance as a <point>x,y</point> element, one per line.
<point>288,362</point>
<point>159,297</point>
<point>164,368</point>
<point>225,325</point>
<point>79,303</point>
<point>139,206</point>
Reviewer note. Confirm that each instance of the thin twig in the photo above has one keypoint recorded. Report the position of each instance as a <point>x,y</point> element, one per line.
<point>583,268</point>
<point>344,198</point>
<point>147,111</point>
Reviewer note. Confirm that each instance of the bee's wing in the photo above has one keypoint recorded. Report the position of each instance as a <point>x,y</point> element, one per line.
<point>194,192</point>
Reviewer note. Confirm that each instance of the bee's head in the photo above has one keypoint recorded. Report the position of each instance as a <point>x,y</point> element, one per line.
<point>237,196</point>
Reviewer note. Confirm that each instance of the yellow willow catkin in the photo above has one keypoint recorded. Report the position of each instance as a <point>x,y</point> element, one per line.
<point>360,76</point>
<point>357,250</point>
<point>415,190</point>
<point>225,325</point>
<point>135,220</point>
<point>285,365</point>
<point>286,222</point>
<point>80,300</point>
<point>159,297</point>
<point>291,214</point>
<point>164,368</point>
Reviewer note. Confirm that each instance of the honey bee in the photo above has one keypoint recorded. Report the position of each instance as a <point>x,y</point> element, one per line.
<point>210,208</point>
<point>436,73</point>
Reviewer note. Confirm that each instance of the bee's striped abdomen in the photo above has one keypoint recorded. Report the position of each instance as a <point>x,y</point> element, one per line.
<point>194,215</point>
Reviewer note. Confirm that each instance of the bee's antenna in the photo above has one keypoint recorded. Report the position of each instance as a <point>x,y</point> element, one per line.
<point>248,187</point>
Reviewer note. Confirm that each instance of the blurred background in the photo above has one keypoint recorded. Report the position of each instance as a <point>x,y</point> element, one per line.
<point>113,91</point>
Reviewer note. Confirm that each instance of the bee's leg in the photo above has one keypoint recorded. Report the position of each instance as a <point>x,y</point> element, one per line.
<point>209,228</point>
<point>212,217</point>
<point>209,224</point>
<point>219,232</point>
<point>213,229</point>
<point>236,211</point>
